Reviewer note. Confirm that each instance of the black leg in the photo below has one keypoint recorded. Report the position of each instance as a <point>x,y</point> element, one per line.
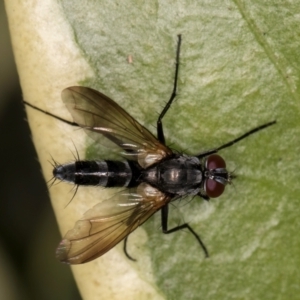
<point>125,250</point>
<point>256,129</point>
<point>164,223</point>
<point>160,131</point>
<point>49,114</point>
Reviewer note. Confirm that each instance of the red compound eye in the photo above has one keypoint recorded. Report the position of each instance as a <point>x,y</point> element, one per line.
<point>213,188</point>
<point>215,161</point>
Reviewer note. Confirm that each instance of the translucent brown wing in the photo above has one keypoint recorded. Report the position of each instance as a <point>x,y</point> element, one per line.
<point>109,222</point>
<point>97,113</point>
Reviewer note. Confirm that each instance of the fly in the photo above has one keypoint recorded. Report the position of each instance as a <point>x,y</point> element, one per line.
<point>152,173</point>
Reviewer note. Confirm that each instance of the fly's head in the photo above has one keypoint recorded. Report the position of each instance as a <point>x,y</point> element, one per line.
<point>216,176</point>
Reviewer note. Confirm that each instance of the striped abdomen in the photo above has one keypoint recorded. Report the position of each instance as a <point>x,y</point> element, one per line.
<point>105,173</point>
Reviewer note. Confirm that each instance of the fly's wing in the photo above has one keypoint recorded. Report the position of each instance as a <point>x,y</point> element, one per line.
<point>109,222</point>
<point>97,113</point>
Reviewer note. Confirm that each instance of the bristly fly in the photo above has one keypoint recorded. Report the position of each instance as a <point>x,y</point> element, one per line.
<point>152,173</point>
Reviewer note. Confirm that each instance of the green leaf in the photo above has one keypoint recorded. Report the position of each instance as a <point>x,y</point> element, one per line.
<point>239,69</point>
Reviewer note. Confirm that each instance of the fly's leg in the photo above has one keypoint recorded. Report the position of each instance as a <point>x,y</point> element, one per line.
<point>164,223</point>
<point>250,132</point>
<point>160,132</point>
<point>125,249</point>
<point>50,114</point>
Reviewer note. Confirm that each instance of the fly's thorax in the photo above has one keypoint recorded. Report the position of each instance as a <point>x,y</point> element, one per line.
<point>179,176</point>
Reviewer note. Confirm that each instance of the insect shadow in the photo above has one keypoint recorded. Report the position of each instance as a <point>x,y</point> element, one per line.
<point>152,173</point>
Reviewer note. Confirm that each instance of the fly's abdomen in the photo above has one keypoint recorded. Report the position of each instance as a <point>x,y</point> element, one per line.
<point>105,173</point>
